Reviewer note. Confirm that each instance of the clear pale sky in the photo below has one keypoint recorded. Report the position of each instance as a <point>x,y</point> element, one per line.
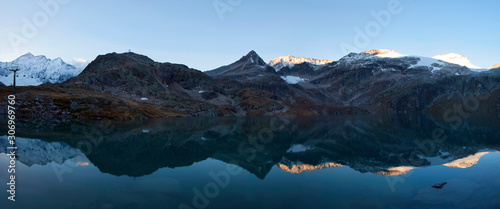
<point>191,32</point>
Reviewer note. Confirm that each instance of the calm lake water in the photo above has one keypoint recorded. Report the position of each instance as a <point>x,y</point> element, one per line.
<point>255,162</point>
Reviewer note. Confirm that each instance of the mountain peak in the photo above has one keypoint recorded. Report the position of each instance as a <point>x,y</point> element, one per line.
<point>29,54</point>
<point>456,59</point>
<point>391,53</point>
<point>254,58</point>
<point>252,53</point>
<point>290,61</point>
<point>496,66</point>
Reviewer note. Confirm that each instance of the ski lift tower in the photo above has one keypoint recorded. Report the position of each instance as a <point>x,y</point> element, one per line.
<point>14,69</point>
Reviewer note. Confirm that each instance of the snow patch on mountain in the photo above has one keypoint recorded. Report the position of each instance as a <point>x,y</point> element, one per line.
<point>36,70</point>
<point>289,61</point>
<point>435,64</point>
<point>293,79</point>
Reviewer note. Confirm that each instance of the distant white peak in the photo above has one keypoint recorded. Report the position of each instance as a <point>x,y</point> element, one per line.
<point>496,66</point>
<point>36,70</point>
<point>456,59</point>
<point>290,61</point>
<point>388,53</point>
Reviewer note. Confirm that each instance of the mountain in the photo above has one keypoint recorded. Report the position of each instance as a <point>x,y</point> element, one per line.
<point>301,69</point>
<point>436,61</point>
<point>36,70</point>
<point>495,66</point>
<point>401,84</point>
<point>250,65</point>
<point>137,77</point>
<point>254,86</point>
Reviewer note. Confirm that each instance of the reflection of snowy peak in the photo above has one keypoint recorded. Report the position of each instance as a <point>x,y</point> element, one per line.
<point>290,61</point>
<point>36,70</point>
<point>396,171</point>
<point>467,161</point>
<point>456,59</point>
<point>35,151</point>
<point>299,167</point>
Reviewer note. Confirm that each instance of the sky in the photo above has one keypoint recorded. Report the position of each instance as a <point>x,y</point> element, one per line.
<point>206,34</point>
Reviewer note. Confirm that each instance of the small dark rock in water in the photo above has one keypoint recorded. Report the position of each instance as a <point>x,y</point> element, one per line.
<point>439,186</point>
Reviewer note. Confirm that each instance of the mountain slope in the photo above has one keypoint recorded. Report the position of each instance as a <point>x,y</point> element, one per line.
<point>36,70</point>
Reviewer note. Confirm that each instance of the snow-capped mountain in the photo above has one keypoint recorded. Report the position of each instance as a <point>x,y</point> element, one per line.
<point>450,64</point>
<point>436,63</point>
<point>495,66</point>
<point>289,61</point>
<point>36,70</point>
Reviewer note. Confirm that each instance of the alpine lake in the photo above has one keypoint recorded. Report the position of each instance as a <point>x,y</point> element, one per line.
<point>396,161</point>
